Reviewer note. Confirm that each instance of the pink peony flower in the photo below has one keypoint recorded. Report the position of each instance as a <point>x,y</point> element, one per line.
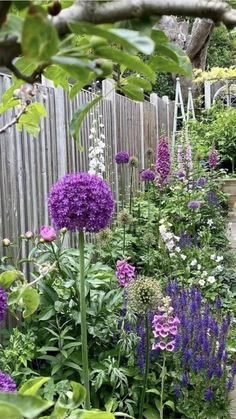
<point>47,233</point>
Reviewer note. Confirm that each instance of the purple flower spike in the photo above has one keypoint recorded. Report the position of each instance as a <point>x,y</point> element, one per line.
<point>163,162</point>
<point>122,157</point>
<point>208,394</point>
<point>3,304</point>
<point>125,272</point>
<point>201,182</point>
<point>147,175</point>
<point>81,201</point>
<point>212,158</point>
<point>7,384</point>
<point>194,205</point>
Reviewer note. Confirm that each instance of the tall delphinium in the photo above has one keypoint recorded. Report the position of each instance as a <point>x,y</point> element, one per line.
<point>163,162</point>
<point>133,164</point>
<point>122,158</point>
<point>81,202</point>
<point>97,140</point>
<point>165,329</point>
<point>144,296</point>
<point>3,304</point>
<point>212,157</point>
<point>200,347</point>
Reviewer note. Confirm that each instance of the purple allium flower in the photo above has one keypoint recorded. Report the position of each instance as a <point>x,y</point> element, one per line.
<point>194,205</point>
<point>125,272</point>
<point>147,175</point>
<point>201,182</point>
<point>122,157</point>
<point>7,384</point>
<point>208,394</point>
<point>212,157</point>
<point>81,201</point>
<point>163,163</point>
<point>3,304</point>
<point>47,233</point>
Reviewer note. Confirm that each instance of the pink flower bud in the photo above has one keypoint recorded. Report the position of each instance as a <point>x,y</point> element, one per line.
<point>29,235</point>
<point>47,233</point>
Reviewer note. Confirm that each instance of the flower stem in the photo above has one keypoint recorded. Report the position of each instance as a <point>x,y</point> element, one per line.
<point>147,350</point>
<point>162,386</point>
<point>85,368</point>
<point>131,190</point>
<point>124,241</point>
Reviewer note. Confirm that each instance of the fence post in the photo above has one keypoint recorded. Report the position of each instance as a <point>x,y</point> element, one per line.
<point>154,102</point>
<point>207,91</point>
<point>109,93</point>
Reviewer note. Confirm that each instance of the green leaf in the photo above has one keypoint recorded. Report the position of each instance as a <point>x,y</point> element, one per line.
<point>12,27</point>
<point>151,413</point>
<point>129,61</point>
<point>79,394</point>
<point>159,37</point>
<point>32,386</point>
<point>92,414</point>
<point>29,406</point>
<point>75,89</point>
<point>133,92</point>
<point>57,75</point>
<point>154,391</point>
<point>138,81</point>
<point>79,117</point>
<point>170,404</point>
<point>39,37</point>
<point>76,67</point>
<point>31,301</point>
<point>8,277</point>
<point>31,118</point>
<point>8,411</point>
<point>129,39</point>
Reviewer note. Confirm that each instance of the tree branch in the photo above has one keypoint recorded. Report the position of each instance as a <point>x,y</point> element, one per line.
<point>32,78</point>
<point>114,11</point>
<point>14,121</point>
<point>4,9</point>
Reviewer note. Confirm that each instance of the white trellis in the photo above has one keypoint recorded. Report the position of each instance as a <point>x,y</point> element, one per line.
<point>226,93</point>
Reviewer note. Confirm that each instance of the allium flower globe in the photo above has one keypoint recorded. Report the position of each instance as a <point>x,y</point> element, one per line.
<point>81,201</point>
<point>147,175</point>
<point>7,384</point>
<point>122,157</point>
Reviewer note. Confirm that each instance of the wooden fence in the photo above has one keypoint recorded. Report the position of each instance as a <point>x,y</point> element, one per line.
<point>29,166</point>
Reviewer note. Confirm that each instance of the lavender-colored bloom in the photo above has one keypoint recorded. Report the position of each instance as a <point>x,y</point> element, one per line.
<point>177,390</point>
<point>180,159</point>
<point>212,198</point>
<point>201,182</point>
<point>233,369</point>
<point>208,394</point>
<point>185,379</point>
<point>212,158</point>
<point>47,233</point>
<point>163,163</point>
<point>81,201</point>
<point>188,157</point>
<point>7,384</point>
<point>185,240</point>
<point>218,303</point>
<point>194,205</point>
<point>122,157</point>
<point>147,175</point>
<point>3,304</point>
<point>125,272</point>
<point>229,384</point>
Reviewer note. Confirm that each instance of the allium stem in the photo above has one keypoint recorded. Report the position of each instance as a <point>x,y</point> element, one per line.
<point>147,360</point>
<point>162,385</point>
<point>124,240</point>
<point>131,191</point>
<point>85,368</point>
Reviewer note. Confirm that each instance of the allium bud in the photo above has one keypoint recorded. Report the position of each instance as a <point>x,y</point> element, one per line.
<point>63,230</point>
<point>149,153</point>
<point>6,242</point>
<point>104,236</point>
<point>124,218</point>
<point>133,162</point>
<point>144,294</point>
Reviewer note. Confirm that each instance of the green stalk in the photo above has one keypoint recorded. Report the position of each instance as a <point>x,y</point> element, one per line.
<point>148,194</point>
<point>162,385</point>
<point>85,368</point>
<point>124,240</point>
<point>131,190</point>
<point>147,356</point>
